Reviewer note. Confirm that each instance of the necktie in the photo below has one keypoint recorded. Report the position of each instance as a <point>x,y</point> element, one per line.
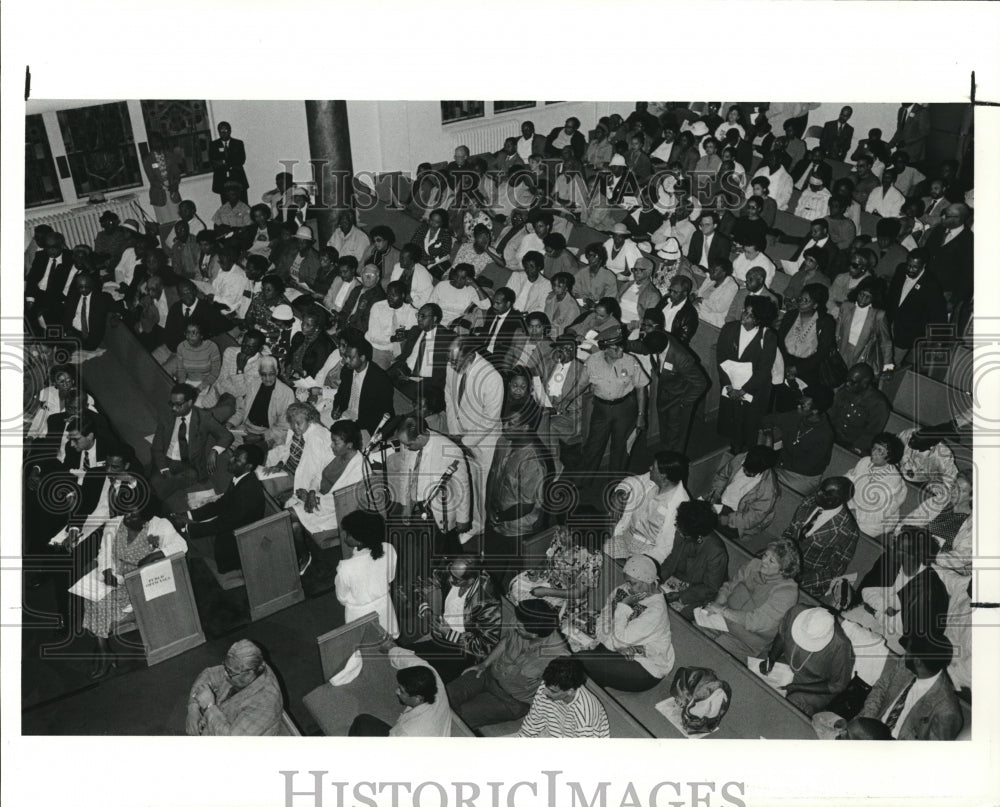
<point>187,312</point>
<point>295,453</point>
<point>84,322</point>
<point>182,439</point>
<point>420,354</point>
<point>809,523</point>
<point>415,477</point>
<point>897,707</point>
<point>461,388</point>
<point>85,460</point>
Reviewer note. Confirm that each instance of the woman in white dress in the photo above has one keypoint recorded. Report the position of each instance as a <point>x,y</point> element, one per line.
<point>364,579</point>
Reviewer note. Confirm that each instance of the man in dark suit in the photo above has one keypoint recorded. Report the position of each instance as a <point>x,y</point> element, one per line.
<point>568,134</point>
<point>922,599</point>
<point>676,306</point>
<point>819,237</point>
<point>811,165</point>
<point>85,315</point>
<point>681,383</point>
<point>49,281</point>
<point>309,349</point>
<point>188,308</point>
<point>915,301</point>
<point>707,245</point>
<point>912,127</point>
<point>835,141</point>
<point>935,713</point>
<point>241,504</point>
<point>424,354</point>
<point>365,391</point>
<point>185,448</point>
<point>950,252</point>
<point>502,329</point>
<point>228,156</point>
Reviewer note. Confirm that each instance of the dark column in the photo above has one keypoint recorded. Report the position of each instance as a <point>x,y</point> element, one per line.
<point>330,153</point>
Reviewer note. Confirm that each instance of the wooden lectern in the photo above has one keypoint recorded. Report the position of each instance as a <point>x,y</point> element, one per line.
<point>270,569</point>
<point>169,625</point>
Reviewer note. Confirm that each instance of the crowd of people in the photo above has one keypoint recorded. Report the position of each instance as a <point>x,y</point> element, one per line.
<point>485,359</point>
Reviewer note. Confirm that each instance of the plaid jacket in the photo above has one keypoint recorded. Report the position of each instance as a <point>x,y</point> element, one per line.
<point>826,553</point>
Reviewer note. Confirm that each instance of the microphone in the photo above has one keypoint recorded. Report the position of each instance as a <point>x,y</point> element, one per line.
<point>376,439</point>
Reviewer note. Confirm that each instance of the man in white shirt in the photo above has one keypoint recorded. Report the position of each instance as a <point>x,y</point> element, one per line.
<point>716,294</point>
<point>538,228</point>
<point>886,200</point>
<point>814,203</point>
<point>781,185</point>
<point>421,281</point>
<point>387,319</point>
<point>426,711</point>
<point>530,288</point>
<point>228,286</point>
<point>348,239</point>
<point>458,295</point>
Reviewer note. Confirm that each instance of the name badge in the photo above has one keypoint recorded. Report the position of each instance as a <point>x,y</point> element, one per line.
<point>668,366</point>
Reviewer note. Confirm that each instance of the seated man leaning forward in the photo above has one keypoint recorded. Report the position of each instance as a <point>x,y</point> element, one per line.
<point>241,696</point>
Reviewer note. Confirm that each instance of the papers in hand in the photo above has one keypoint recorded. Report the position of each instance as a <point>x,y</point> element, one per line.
<point>91,586</point>
<point>781,674</point>
<point>261,475</point>
<point>306,383</point>
<point>199,498</point>
<point>671,710</point>
<point>707,620</point>
<point>739,372</point>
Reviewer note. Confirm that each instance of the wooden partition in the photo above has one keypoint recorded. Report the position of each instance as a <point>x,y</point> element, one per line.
<point>372,692</point>
<point>168,624</point>
<point>270,568</point>
<point>928,402</point>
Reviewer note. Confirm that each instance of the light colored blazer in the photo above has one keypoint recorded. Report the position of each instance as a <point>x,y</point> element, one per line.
<point>477,418</point>
<point>316,455</point>
<point>874,338</point>
<point>282,397</point>
<point>756,509</point>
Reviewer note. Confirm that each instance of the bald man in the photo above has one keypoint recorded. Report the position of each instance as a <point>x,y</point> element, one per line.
<point>950,250</point>
<point>859,410</point>
<point>239,697</point>
<point>826,534</point>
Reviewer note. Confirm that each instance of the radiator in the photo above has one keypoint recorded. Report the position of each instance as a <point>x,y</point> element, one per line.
<point>81,224</point>
<point>489,138</point>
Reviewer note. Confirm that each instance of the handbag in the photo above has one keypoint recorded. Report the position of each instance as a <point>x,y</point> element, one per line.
<point>832,369</point>
<point>703,698</point>
<point>848,704</point>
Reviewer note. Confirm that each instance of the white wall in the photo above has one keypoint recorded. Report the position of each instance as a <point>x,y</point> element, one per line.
<point>865,117</point>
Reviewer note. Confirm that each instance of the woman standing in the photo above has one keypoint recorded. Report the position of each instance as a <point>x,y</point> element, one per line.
<point>364,578</point>
<point>807,334</point>
<point>199,364</point>
<point>879,487</point>
<point>745,354</point>
<point>130,541</point>
<point>862,330</point>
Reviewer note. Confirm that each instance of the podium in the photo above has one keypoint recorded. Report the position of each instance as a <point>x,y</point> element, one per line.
<point>270,568</point>
<point>169,624</point>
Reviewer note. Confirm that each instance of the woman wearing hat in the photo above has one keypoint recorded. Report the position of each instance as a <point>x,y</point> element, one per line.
<point>818,655</point>
<point>622,251</point>
<point>639,296</point>
<point>633,631</point>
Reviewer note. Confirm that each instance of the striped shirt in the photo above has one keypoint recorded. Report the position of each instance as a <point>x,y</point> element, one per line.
<point>584,716</point>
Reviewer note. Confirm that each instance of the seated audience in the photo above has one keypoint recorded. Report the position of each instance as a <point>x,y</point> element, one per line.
<point>296,466</point>
<point>745,491</point>
<point>826,534</point>
<point>365,391</point>
<point>366,575</point>
<point>563,706</point>
<point>716,294</point>
<point>464,618</point>
<point>241,504</point>
<point>818,654</point>
<point>198,365</point>
<point>879,488</point>
<point>426,711</point>
<point>698,564</point>
<point>755,600</point>
<point>530,288</point>
<point>634,651</point>
<point>804,438</point>
<point>945,524</point>
<point>348,239</point>
<point>595,281</point>
<point>502,686</point>
<point>928,462</point>
<point>859,410</point>
<point>388,322</point>
<point>240,697</point>
<point>915,697</point>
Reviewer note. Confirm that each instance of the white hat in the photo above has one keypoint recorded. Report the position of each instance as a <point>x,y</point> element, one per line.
<point>641,568</point>
<point>670,249</point>
<point>131,224</point>
<point>298,190</point>
<point>699,128</point>
<point>617,159</point>
<point>620,229</point>
<point>283,312</point>
<point>812,629</point>
<point>304,233</point>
